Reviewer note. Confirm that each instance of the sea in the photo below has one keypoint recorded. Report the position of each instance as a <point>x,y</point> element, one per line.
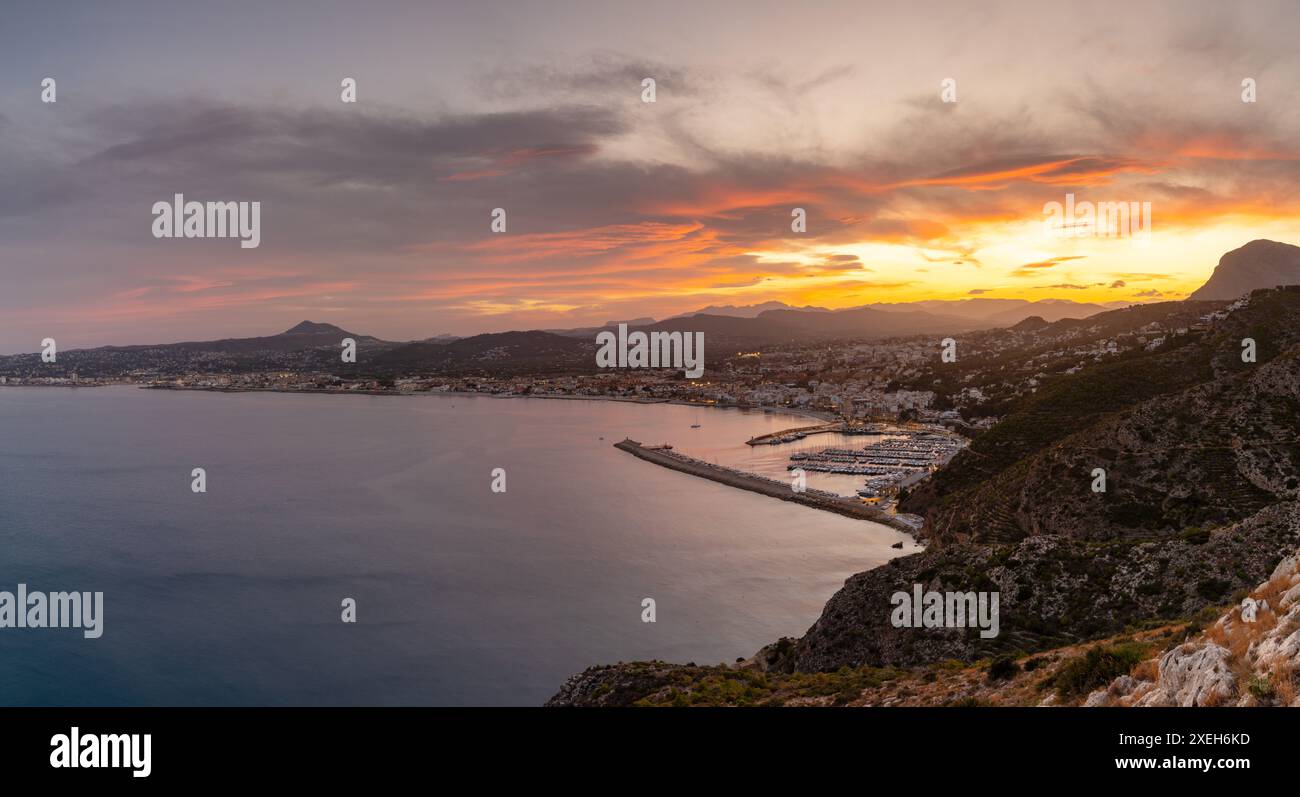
<point>461,595</point>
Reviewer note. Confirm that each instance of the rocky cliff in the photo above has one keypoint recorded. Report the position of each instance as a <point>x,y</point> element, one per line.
<point>1258,264</point>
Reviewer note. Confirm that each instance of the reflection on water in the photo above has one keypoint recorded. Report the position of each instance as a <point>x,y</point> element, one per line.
<point>463,596</point>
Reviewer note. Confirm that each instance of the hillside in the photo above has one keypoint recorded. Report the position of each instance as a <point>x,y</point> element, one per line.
<point>999,312</point>
<point>498,353</point>
<point>1202,456</point>
<point>1070,403</point>
<point>1250,656</point>
<point>1201,452</point>
<point>1243,651</point>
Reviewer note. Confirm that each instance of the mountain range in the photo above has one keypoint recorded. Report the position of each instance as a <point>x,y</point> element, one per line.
<point>985,312</point>
<point>520,351</point>
<point>1258,264</point>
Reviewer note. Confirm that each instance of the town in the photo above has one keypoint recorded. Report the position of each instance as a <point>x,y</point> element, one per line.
<point>862,381</point>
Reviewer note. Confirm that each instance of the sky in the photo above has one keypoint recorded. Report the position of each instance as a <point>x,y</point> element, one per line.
<point>376,215</point>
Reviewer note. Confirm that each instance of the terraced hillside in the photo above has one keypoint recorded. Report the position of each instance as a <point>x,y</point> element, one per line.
<point>981,494</point>
<point>1201,490</point>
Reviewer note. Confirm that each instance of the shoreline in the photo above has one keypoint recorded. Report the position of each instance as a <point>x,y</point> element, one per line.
<point>816,499</point>
<point>825,418</point>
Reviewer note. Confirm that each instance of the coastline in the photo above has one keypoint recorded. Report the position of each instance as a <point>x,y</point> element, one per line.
<point>793,411</point>
<point>749,482</point>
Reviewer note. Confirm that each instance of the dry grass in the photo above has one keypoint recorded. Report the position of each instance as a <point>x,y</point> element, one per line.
<point>1285,676</point>
<point>1237,636</point>
<point>1213,699</point>
<point>958,683</point>
<point>1148,670</point>
<point>1272,590</point>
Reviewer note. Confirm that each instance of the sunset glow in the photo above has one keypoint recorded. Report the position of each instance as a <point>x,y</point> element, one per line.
<point>376,214</point>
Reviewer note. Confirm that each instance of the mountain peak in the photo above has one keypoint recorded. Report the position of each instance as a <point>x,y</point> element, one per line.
<point>1259,264</point>
<point>312,328</point>
<point>1260,244</point>
<point>1031,323</point>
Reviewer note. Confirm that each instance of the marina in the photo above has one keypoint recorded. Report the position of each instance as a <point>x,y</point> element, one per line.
<point>898,461</point>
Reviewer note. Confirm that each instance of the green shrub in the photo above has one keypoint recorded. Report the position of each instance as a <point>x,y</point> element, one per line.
<point>1212,588</point>
<point>968,702</point>
<point>1097,668</point>
<point>1003,669</point>
<point>1261,687</point>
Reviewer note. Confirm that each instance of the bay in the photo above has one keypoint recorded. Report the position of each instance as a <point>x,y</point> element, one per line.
<point>464,596</point>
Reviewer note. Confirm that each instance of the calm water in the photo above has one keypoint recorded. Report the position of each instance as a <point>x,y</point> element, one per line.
<point>464,596</point>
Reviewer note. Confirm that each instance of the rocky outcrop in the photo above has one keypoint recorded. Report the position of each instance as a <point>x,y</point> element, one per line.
<point>1248,657</point>
<point>615,684</point>
<point>1192,675</point>
<point>1258,264</point>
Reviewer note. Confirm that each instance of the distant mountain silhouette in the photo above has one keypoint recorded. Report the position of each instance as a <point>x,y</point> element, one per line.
<point>560,350</point>
<point>791,325</point>
<point>778,322</point>
<point>313,328</point>
<point>305,335</point>
<point>800,326</point>
<point>1030,324</point>
<point>1258,264</point>
<point>749,310</point>
<point>993,312</point>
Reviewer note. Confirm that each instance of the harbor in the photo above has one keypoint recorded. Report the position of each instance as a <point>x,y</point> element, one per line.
<point>665,456</point>
<point>902,459</point>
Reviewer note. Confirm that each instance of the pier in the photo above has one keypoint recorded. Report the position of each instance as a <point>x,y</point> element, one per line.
<point>791,435</point>
<point>818,499</point>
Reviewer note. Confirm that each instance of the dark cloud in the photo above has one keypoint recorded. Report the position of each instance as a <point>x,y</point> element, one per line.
<point>606,74</point>
<point>379,206</point>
